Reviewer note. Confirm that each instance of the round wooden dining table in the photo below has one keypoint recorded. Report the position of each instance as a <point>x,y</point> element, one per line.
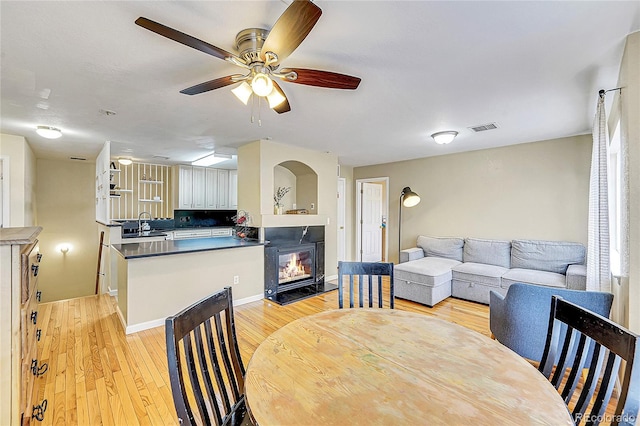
<point>391,367</point>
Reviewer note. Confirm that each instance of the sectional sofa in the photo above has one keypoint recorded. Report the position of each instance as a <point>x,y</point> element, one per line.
<point>469,268</point>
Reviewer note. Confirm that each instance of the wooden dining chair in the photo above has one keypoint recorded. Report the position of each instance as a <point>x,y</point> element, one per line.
<point>365,271</point>
<point>579,339</point>
<point>205,367</point>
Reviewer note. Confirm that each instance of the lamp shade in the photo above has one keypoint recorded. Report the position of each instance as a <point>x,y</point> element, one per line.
<point>243,92</point>
<point>409,198</point>
<point>261,84</point>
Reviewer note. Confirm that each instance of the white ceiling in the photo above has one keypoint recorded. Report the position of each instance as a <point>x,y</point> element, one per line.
<point>534,68</point>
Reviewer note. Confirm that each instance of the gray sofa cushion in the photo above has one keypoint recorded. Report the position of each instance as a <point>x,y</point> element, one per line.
<point>479,273</point>
<point>490,252</point>
<point>530,276</point>
<point>552,256</point>
<point>430,271</point>
<point>447,247</point>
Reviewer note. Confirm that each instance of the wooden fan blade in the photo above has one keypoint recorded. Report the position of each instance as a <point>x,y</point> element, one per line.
<point>323,78</point>
<point>291,28</point>
<point>211,85</point>
<point>183,38</point>
<point>284,106</point>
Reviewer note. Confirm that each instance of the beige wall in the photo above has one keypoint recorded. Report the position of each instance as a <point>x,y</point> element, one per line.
<point>535,190</point>
<point>629,80</point>
<point>346,172</point>
<point>66,212</point>
<point>18,156</point>
<point>256,163</point>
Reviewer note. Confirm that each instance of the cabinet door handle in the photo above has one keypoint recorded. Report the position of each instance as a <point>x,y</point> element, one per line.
<point>34,269</point>
<point>39,257</point>
<point>38,334</point>
<point>38,295</point>
<point>34,316</point>
<point>38,370</point>
<point>38,411</point>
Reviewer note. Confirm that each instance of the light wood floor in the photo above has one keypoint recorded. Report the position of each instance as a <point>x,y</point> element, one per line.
<point>98,375</point>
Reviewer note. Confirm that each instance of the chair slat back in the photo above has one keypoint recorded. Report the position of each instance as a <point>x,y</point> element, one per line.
<point>367,273</point>
<point>205,366</point>
<point>579,339</point>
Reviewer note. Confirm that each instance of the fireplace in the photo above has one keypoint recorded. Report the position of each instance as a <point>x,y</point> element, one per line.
<point>296,266</point>
<point>294,263</point>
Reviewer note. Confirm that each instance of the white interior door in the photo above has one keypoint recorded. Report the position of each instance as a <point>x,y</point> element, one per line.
<point>371,222</point>
<point>342,234</point>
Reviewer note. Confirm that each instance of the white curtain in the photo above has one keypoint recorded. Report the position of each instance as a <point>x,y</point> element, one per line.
<point>624,198</point>
<point>598,265</point>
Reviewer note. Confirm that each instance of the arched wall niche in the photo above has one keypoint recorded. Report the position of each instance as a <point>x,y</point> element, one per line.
<point>302,180</point>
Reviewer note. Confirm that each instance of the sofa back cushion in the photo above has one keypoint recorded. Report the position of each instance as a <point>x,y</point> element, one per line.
<point>552,256</point>
<point>489,252</point>
<point>447,247</point>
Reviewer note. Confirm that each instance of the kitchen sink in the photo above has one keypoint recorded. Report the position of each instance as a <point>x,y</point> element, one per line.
<point>143,234</point>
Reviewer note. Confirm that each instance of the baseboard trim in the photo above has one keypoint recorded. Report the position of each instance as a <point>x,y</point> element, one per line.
<point>160,321</point>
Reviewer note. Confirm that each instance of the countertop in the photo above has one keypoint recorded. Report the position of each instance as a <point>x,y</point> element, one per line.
<point>24,235</point>
<point>170,247</point>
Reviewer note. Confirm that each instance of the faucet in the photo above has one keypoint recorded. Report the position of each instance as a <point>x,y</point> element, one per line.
<point>144,227</point>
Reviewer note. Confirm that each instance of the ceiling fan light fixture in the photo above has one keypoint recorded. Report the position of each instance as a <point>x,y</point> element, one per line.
<point>275,98</point>
<point>261,84</point>
<point>243,92</point>
<point>48,132</point>
<point>443,138</point>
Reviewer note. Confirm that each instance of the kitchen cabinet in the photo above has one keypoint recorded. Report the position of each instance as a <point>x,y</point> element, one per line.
<point>233,189</point>
<point>200,188</point>
<point>191,187</point>
<point>20,365</point>
<point>222,192</point>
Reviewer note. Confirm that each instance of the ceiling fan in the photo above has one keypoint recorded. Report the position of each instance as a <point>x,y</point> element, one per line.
<point>260,52</point>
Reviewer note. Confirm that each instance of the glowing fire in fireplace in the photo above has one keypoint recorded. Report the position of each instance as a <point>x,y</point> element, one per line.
<point>294,269</point>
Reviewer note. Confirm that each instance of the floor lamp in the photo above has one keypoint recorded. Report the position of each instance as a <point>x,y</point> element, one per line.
<point>408,198</point>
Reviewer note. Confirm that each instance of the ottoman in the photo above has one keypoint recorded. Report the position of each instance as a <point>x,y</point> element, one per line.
<point>426,280</point>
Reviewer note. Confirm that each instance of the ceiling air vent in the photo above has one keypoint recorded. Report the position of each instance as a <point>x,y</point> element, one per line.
<point>160,157</point>
<point>483,127</point>
<point>77,158</point>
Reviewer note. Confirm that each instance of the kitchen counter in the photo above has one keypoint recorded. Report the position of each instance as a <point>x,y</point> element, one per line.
<point>170,247</point>
<point>156,279</point>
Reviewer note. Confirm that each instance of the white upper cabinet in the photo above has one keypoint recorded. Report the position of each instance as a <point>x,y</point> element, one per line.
<point>199,187</point>
<point>223,189</point>
<point>207,188</point>
<point>233,189</point>
<point>212,186</point>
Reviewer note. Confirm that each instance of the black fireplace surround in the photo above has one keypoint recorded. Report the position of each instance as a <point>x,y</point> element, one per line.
<point>294,263</point>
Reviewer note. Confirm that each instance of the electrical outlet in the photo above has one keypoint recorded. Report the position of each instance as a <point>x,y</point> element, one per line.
<point>313,206</point>
<point>236,279</point>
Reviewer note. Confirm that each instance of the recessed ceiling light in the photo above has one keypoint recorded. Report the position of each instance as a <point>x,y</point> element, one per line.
<point>48,132</point>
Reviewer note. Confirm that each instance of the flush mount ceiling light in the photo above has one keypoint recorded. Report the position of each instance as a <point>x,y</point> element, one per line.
<point>444,138</point>
<point>48,132</point>
<point>125,161</point>
<point>211,159</point>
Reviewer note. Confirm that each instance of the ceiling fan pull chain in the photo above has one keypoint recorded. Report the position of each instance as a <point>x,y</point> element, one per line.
<point>259,111</point>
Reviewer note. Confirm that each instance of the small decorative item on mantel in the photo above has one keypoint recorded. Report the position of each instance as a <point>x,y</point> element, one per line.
<point>277,198</point>
<point>241,220</point>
